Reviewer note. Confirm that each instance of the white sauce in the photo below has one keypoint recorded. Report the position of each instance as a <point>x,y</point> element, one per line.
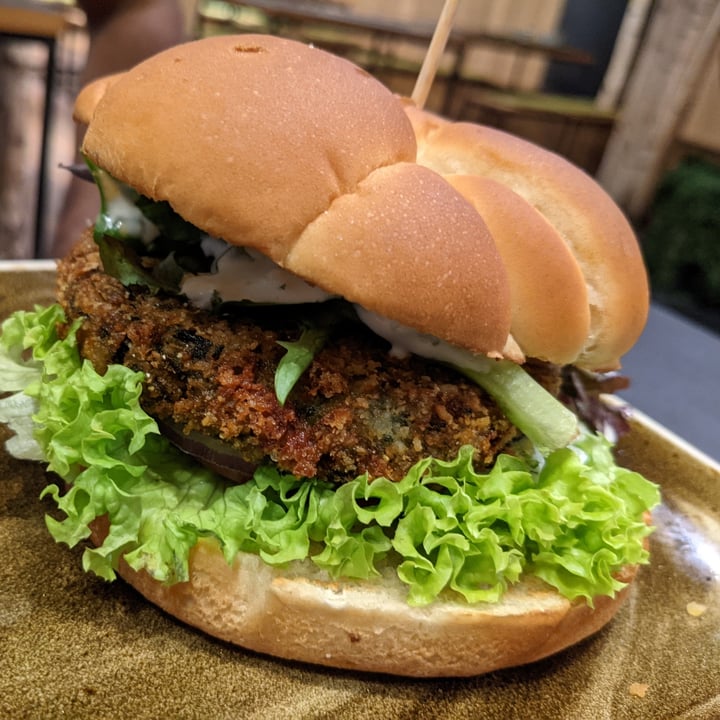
<point>405,341</point>
<point>127,219</point>
<point>242,274</point>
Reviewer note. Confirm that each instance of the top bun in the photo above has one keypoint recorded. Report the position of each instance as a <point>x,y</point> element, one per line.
<point>459,231</point>
<point>275,145</point>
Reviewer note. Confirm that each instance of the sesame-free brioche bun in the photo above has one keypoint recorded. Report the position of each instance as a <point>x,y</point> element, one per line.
<point>460,231</point>
<point>297,613</point>
<point>275,145</point>
<point>576,208</point>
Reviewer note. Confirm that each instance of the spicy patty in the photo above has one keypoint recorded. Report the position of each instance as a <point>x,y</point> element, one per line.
<point>355,409</point>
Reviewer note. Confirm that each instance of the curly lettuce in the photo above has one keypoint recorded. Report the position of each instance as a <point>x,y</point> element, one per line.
<point>572,518</point>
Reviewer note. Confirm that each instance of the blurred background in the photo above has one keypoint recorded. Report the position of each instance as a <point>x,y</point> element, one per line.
<point>629,90</point>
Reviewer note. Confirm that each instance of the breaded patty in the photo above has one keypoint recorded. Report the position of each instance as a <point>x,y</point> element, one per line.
<point>356,409</point>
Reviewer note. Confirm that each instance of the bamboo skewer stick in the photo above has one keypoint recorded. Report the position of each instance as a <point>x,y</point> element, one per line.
<point>433,56</point>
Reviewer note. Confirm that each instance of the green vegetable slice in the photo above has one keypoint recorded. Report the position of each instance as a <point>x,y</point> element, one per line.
<point>532,409</point>
<point>296,360</point>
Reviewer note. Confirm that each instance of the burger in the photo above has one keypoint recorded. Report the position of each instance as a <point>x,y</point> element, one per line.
<point>324,379</point>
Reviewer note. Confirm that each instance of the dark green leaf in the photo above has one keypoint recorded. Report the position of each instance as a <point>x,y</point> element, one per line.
<point>168,222</point>
<point>122,262</point>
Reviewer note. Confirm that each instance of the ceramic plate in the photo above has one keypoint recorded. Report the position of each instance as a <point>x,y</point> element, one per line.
<point>74,646</point>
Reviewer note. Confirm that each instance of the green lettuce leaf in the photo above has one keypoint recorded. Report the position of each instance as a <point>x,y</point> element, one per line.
<point>572,518</point>
<point>296,360</point>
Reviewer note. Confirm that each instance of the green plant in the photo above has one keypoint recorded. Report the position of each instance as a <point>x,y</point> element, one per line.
<point>681,241</point>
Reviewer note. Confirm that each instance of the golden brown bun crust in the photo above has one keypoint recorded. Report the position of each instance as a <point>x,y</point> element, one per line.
<point>297,615</point>
<point>263,142</point>
<point>582,214</point>
<point>401,237</point>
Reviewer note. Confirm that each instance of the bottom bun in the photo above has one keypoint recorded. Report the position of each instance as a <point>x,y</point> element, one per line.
<point>297,613</point>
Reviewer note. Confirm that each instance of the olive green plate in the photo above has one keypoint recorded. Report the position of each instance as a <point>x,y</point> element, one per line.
<point>74,646</point>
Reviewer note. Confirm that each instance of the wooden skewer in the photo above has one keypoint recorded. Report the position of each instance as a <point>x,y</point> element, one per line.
<point>434,54</point>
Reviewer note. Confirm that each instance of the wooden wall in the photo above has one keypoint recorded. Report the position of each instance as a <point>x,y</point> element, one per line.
<point>670,96</point>
<point>501,16</point>
<point>701,126</point>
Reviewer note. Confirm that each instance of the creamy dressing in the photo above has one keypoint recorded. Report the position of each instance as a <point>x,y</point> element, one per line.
<point>243,274</point>
<point>127,220</point>
<point>406,341</point>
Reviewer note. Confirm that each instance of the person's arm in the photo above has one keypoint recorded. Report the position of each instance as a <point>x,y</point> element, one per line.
<point>122,33</point>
